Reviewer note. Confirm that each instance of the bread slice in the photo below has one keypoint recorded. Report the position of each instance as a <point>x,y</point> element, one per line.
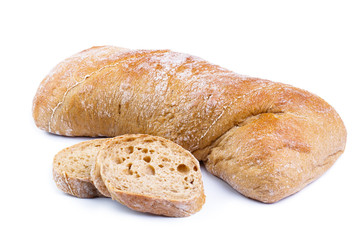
<point>71,168</point>
<point>151,174</point>
<point>97,180</point>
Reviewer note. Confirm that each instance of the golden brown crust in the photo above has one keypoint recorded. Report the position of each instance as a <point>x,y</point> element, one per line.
<point>245,129</point>
<point>64,77</point>
<point>270,156</point>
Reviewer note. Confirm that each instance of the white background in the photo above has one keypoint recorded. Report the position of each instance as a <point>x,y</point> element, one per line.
<point>310,44</point>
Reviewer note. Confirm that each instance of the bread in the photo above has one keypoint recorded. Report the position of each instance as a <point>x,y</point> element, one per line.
<point>146,173</point>
<point>97,179</point>
<point>71,169</point>
<point>268,140</point>
<point>151,174</point>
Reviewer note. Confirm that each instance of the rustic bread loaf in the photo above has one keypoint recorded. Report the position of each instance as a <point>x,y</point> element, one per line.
<point>151,174</point>
<point>71,169</point>
<point>268,140</point>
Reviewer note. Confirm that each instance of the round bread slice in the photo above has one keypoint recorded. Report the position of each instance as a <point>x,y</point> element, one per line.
<point>151,174</point>
<point>71,169</point>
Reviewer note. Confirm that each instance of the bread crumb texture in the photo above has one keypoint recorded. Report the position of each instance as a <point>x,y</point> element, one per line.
<point>71,169</point>
<point>152,174</point>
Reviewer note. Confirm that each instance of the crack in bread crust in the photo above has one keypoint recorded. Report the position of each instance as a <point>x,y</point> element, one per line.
<point>74,86</point>
<point>227,107</point>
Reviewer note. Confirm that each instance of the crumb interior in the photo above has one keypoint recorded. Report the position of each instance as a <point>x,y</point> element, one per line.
<point>152,167</point>
<point>77,160</point>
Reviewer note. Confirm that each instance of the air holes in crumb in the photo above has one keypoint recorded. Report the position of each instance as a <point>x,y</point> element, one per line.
<point>147,159</point>
<point>151,151</point>
<point>195,168</point>
<point>145,150</point>
<point>128,170</point>
<point>97,145</point>
<point>130,150</point>
<point>150,170</point>
<point>129,139</point>
<point>161,166</point>
<point>163,144</point>
<point>119,160</point>
<point>148,140</point>
<point>172,169</point>
<point>191,180</point>
<point>183,168</point>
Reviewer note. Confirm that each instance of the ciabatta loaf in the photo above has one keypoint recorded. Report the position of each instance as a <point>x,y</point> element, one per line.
<point>268,140</point>
<point>151,174</point>
<point>72,166</point>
